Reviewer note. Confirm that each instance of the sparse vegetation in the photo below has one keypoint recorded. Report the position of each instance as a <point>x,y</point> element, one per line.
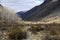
<point>17,34</point>
<point>23,30</point>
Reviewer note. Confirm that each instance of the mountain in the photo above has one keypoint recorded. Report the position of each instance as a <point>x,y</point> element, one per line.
<point>40,12</point>
<point>53,17</point>
<point>31,11</point>
<point>21,13</point>
<point>28,13</point>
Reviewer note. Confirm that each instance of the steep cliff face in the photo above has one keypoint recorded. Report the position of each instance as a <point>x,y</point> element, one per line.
<point>41,11</point>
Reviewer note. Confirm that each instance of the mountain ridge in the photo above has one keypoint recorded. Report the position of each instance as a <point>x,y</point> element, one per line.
<point>40,12</point>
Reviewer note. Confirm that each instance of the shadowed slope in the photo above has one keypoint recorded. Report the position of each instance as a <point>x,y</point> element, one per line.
<point>39,12</point>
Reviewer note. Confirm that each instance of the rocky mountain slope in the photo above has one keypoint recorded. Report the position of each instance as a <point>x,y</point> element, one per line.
<point>38,13</point>
<point>54,16</point>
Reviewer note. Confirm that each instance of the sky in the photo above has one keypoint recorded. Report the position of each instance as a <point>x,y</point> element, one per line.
<point>20,5</point>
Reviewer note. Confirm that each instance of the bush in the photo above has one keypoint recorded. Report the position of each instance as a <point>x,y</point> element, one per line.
<point>17,34</point>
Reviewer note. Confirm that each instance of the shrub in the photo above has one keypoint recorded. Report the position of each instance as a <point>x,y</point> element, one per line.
<point>17,34</point>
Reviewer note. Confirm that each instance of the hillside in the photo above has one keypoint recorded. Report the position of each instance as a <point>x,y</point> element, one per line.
<point>54,16</point>
<point>41,11</point>
<point>41,23</point>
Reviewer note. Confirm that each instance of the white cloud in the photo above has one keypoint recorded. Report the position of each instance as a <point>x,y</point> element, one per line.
<point>38,2</point>
<point>19,5</point>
